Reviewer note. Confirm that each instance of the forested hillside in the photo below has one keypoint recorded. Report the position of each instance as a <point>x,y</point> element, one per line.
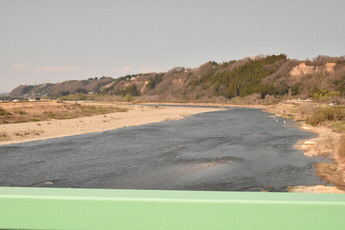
<point>62,89</point>
<point>256,78</point>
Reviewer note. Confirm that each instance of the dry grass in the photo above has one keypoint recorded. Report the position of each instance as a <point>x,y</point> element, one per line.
<point>314,114</point>
<point>331,114</point>
<point>27,112</point>
<point>341,147</point>
<point>4,113</point>
<point>330,173</point>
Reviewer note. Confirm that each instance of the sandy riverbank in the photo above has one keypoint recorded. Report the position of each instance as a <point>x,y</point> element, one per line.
<point>325,145</point>
<point>136,115</point>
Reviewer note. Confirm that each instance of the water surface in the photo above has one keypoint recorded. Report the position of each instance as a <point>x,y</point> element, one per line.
<point>234,150</point>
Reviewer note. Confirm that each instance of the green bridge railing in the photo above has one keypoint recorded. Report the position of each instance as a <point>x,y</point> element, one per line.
<point>47,208</point>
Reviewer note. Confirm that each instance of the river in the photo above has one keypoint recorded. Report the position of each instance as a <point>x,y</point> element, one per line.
<point>233,150</point>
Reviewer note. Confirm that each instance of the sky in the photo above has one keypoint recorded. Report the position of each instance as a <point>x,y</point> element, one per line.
<point>51,41</point>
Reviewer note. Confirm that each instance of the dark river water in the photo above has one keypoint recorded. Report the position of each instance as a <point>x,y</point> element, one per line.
<point>233,150</point>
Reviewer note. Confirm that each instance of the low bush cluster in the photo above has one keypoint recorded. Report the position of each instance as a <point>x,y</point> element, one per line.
<point>327,114</point>
<point>55,111</point>
<point>4,112</point>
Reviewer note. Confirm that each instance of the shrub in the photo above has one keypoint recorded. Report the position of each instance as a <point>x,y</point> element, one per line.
<point>21,112</point>
<point>128,97</point>
<point>154,81</point>
<point>4,113</point>
<point>131,90</point>
<point>328,114</point>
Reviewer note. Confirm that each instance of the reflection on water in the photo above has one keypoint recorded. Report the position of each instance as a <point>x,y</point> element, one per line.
<point>233,150</point>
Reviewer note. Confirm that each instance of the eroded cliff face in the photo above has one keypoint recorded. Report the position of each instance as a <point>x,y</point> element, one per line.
<point>304,69</point>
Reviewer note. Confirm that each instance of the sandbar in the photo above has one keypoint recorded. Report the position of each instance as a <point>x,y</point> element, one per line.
<point>136,115</point>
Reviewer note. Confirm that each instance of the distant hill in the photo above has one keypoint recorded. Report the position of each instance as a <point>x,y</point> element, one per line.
<point>93,85</point>
<point>262,76</point>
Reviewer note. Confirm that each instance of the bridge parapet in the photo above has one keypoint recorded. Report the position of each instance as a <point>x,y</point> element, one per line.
<point>48,208</point>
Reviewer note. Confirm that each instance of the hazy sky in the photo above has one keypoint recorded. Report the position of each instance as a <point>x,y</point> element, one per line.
<point>53,41</point>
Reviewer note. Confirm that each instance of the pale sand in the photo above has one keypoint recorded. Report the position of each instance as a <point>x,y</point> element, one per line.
<point>315,189</point>
<point>322,145</point>
<point>136,115</point>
